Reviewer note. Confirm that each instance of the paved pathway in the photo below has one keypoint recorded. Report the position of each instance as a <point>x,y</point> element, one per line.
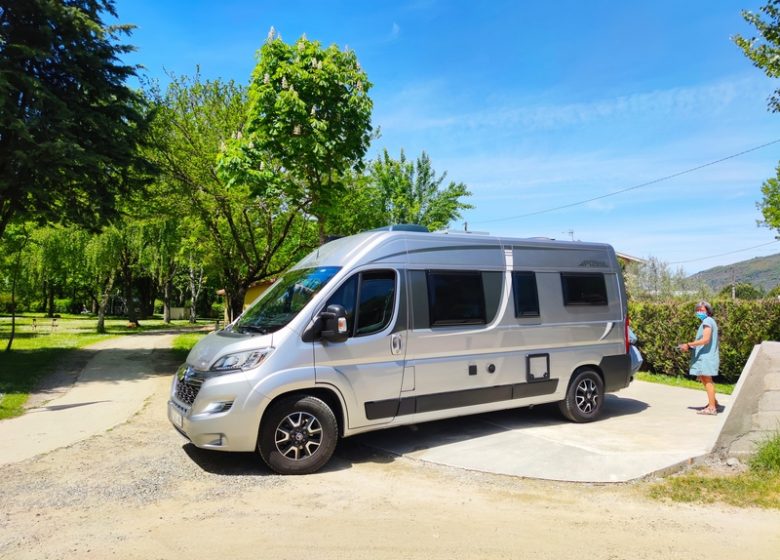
<point>112,387</point>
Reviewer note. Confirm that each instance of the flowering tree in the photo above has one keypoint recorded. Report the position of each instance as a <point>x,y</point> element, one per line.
<point>308,124</point>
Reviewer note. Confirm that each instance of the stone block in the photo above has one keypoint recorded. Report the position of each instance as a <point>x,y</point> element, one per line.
<point>769,401</point>
<point>772,382</point>
<point>748,444</point>
<point>767,421</point>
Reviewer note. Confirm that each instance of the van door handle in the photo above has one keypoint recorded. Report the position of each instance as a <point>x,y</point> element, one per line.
<point>396,344</point>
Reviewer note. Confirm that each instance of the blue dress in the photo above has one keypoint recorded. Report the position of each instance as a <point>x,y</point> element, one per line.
<point>705,360</point>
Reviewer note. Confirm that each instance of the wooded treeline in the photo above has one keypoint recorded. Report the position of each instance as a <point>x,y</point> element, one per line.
<point>113,198</point>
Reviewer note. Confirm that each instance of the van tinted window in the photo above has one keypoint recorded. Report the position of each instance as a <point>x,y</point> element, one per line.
<point>583,289</point>
<point>375,303</point>
<point>526,294</point>
<point>455,298</point>
<point>368,298</point>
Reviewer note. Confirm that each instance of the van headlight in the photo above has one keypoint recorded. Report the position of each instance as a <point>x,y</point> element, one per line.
<point>241,361</point>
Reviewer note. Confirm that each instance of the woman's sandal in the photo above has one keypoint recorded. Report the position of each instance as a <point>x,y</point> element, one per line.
<point>707,411</point>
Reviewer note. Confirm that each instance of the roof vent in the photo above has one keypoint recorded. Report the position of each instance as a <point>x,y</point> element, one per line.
<point>402,227</point>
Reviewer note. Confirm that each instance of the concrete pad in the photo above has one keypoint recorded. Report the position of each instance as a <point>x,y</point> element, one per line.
<point>645,429</point>
<point>112,387</point>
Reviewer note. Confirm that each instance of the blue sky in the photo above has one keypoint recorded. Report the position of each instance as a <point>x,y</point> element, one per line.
<point>535,106</point>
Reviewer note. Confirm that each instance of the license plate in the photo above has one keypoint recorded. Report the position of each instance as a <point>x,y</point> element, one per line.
<point>177,418</point>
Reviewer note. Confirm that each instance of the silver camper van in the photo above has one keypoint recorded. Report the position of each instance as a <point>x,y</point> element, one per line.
<point>391,327</point>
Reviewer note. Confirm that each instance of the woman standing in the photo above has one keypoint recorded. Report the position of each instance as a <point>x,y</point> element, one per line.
<point>705,357</point>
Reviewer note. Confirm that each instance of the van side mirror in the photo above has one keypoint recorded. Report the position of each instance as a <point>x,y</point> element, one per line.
<point>334,323</point>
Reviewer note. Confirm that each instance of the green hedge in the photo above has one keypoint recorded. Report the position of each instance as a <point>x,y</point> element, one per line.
<point>660,327</point>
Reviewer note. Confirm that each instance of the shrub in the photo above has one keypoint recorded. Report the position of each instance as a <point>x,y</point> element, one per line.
<point>66,305</point>
<point>741,325</point>
<point>217,310</point>
<point>767,457</point>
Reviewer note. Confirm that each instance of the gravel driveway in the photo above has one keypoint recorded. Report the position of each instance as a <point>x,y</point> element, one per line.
<point>140,491</point>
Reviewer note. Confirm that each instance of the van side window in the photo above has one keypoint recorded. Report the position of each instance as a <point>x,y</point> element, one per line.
<point>375,303</point>
<point>455,298</point>
<point>583,289</point>
<point>526,294</point>
<point>368,297</point>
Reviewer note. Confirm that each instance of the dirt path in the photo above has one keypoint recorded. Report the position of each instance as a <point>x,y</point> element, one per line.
<point>137,491</point>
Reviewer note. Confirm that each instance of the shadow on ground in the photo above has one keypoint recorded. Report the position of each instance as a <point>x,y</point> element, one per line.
<point>348,453</point>
<point>368,447</point>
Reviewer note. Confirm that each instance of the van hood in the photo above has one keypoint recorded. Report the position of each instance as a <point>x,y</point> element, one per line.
<point>217,344</point>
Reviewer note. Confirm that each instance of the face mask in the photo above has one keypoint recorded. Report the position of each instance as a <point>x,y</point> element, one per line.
<point>701,315</point>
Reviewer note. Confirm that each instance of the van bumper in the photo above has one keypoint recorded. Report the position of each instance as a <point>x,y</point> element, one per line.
<point>216,420</point>
<point>617,372</point>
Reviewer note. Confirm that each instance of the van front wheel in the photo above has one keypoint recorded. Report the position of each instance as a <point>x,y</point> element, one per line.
<point>584,398</point>
<point>298,435</point>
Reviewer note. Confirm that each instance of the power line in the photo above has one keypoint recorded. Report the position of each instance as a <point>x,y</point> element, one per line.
<point>724,254</point>
<point>634,187</point>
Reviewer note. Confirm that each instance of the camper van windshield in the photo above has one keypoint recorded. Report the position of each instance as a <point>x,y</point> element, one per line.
<point>284,299</point>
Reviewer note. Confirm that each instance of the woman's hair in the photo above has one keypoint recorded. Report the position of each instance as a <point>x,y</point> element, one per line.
<point>706,306</point>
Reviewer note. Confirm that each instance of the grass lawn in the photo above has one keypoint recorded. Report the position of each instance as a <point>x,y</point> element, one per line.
<point>757,487</point>
<point>682,381</point>
<point>40,344</point>
<point>183,343</point>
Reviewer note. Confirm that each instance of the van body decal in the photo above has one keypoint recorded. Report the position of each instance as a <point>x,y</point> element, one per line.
<point>390,408</point>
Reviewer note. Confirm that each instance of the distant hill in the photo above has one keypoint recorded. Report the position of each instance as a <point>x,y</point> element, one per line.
<point>761,272</point>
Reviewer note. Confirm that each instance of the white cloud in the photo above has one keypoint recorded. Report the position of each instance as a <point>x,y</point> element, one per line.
<point>422,107</point>
<point>395,31</point>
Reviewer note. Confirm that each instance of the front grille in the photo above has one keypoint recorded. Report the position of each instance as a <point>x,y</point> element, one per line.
<point>186,391</point>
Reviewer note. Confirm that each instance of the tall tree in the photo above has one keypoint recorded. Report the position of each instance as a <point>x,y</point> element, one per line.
<point>764,52</point>
<point>310,114</point>
<point>102,255</point>
<point>654,280</point>
<point>411,193</point>
<point>252,229</point>
<point>69,124</point>
<point>11,264</point>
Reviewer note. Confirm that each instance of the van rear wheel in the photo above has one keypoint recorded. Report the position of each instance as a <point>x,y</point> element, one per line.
<point>298,435</point>
<point>584,398</point>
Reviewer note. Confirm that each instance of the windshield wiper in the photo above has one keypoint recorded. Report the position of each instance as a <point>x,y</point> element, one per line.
<point>252,328</point>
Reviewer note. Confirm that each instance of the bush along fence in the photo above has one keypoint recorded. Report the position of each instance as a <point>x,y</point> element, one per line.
<point>660,327</point>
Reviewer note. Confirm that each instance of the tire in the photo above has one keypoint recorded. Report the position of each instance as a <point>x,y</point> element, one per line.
<point>584,397</point>
<point>298,435</point>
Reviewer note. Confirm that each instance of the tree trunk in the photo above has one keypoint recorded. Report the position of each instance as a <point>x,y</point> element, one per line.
<point>167,295</point>
<point>146,290</point>
<point>196,285</point>
<point>321,228</point>
<point>236,301</point>
<point>13,302</point>
<point>50,299</point>
<point>104,298</point>
<point>132,316</point>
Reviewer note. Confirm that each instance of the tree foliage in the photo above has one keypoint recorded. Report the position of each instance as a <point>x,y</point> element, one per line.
<point>654,280</point>
<point>309,114</point>
<point>251,229</point>
<point>770,203</point>
<point>411,193</point>
<point>246,179</point>
<point>69,125</point>
<point>764,50</point>
<point>741,290</point>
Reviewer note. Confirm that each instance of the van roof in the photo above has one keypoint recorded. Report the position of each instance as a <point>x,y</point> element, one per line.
<point>396,244</point>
